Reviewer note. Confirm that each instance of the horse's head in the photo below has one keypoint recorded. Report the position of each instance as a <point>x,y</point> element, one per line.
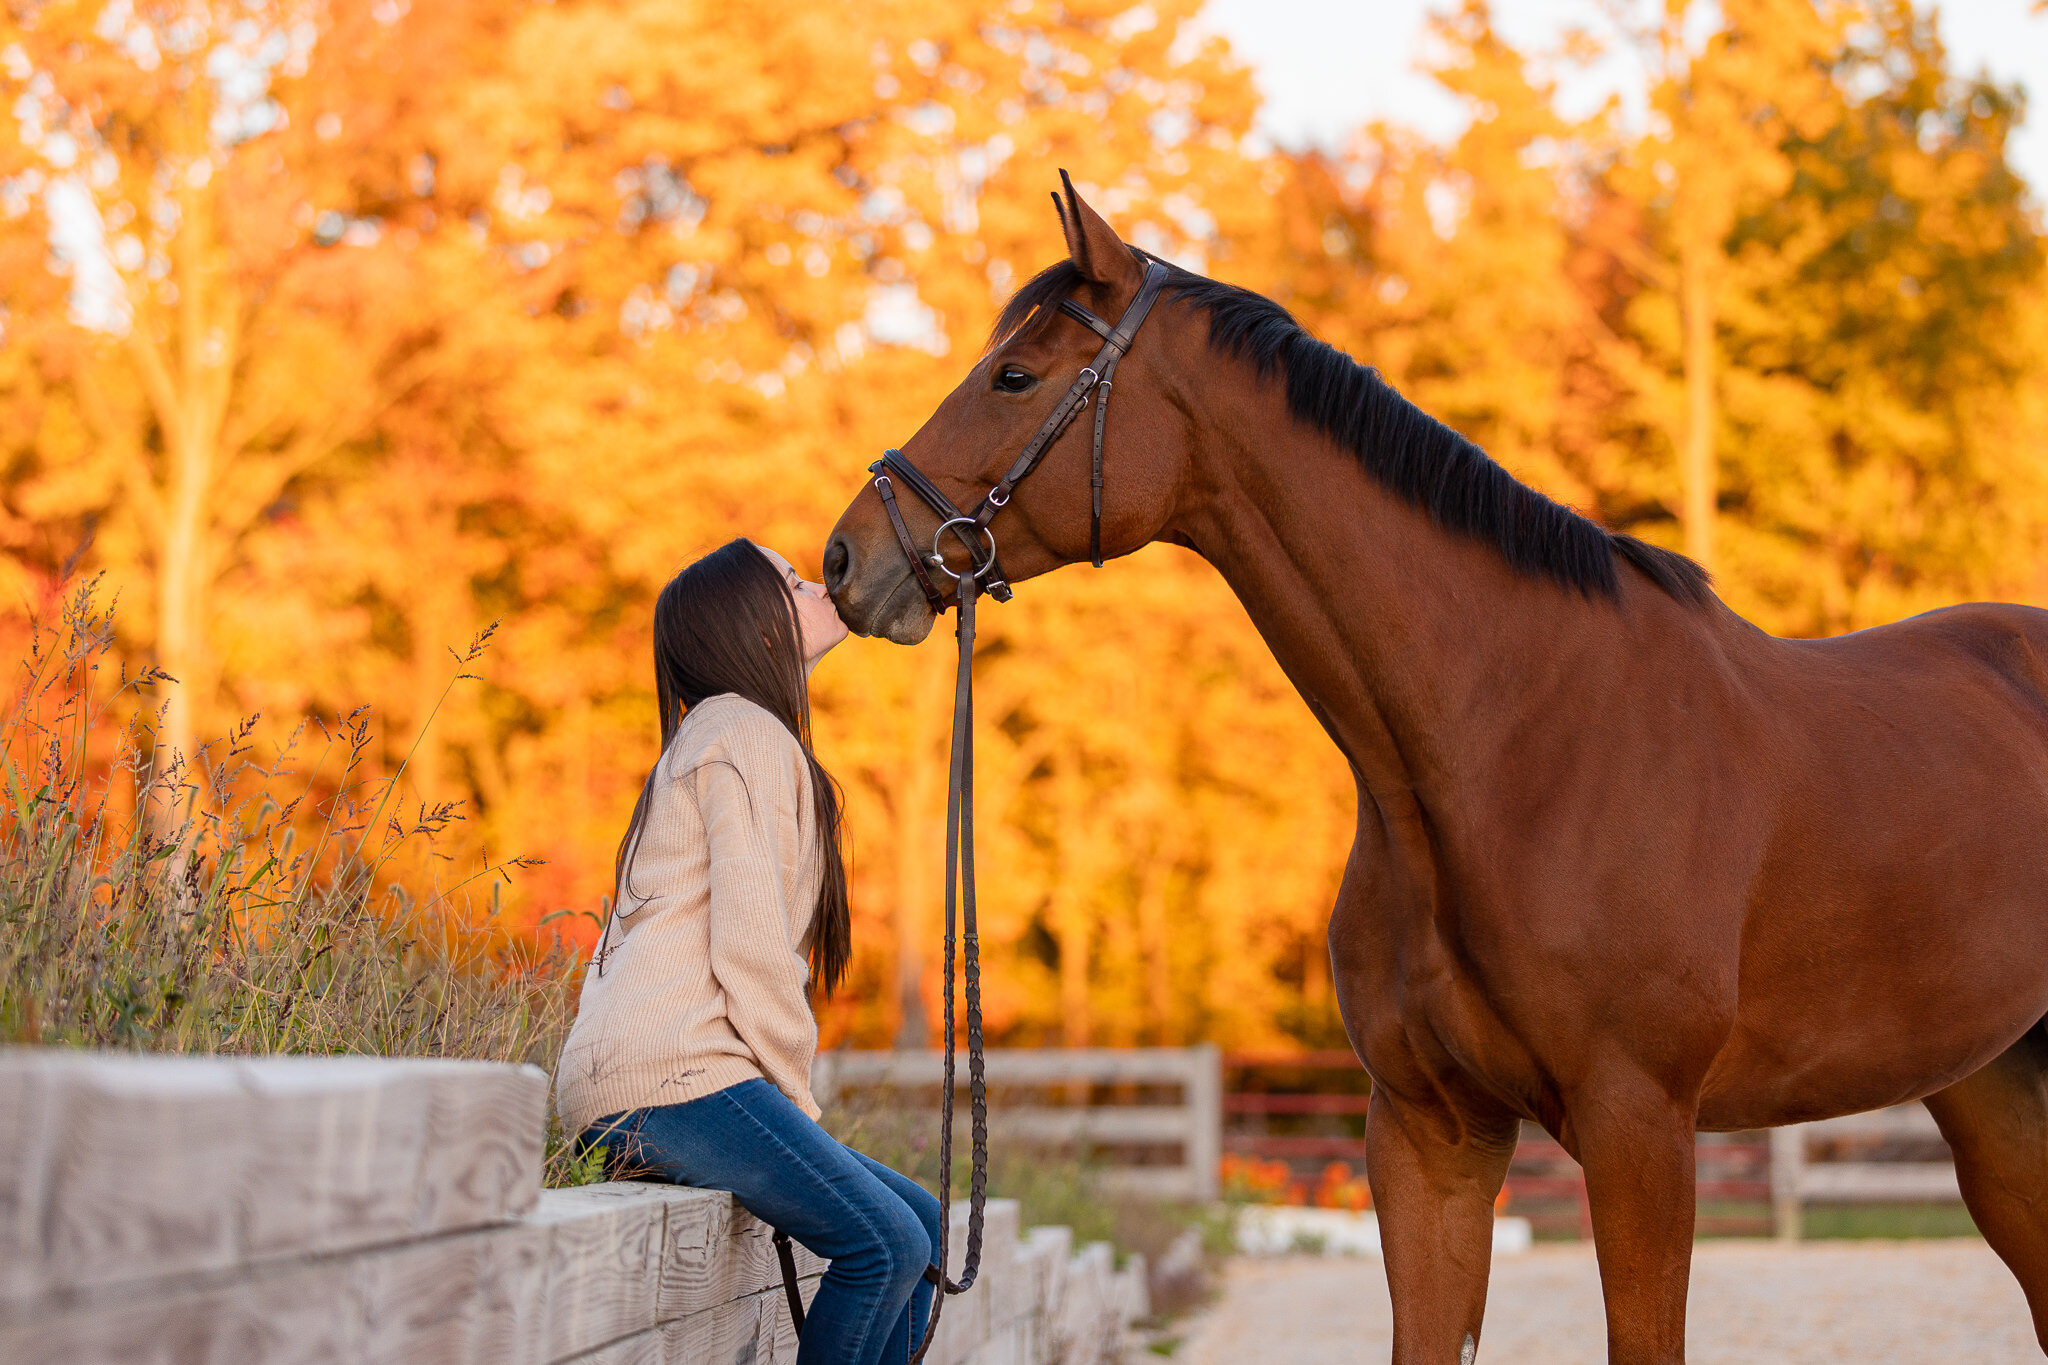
<point>975,439</point>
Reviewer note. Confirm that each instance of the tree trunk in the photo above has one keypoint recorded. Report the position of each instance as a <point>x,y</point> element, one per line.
<point>1152,933</point>
<point>188,391</point>
<point>920,844</point>
<point>1696,306</point>
<point>1070,908</point>
<point>180,598</point>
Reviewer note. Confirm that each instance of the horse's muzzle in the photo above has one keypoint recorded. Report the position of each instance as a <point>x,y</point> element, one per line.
<point>874,590</point>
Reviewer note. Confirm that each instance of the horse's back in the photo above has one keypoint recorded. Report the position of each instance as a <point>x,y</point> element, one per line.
<point>1998,642</point>
<point>1964,685</point>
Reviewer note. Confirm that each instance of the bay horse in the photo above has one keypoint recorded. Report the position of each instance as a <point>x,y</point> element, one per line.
<point>1626,865</point>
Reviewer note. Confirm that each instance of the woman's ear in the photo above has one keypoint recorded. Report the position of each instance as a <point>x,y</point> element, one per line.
<point>1093,246</point>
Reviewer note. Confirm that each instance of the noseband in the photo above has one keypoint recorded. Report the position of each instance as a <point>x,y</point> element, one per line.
<point>973,530</point>
<point>984,574</point>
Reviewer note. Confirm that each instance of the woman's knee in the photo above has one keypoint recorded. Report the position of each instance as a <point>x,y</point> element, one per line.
<point>911,1242</point>
<point>901,1249</point>
<point>894,1250</point>
<point>924,1206</point>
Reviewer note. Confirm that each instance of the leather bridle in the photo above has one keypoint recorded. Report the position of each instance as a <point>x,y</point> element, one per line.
<point>985,574</point>
<point>1095,380</point>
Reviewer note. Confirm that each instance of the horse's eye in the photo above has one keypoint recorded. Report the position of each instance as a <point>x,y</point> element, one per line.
<point>1010,379</point>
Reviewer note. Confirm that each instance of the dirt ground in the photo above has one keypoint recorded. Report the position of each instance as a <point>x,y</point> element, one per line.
<point>1872,1302</point>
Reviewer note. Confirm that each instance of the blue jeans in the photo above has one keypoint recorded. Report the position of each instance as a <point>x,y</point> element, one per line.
<point>878,1228</point>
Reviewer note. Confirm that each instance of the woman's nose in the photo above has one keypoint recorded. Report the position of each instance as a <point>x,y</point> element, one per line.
<point>838,563</point>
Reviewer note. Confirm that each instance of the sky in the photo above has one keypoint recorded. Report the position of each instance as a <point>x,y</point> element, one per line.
<point>1326,66</point>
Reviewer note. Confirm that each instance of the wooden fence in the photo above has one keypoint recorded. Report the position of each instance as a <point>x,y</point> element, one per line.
<point>1151,1114</point>
<point>1843,1172</point>
<point>1307,1108</point>
<point>1184,1107</point>
<point>157,1211</point>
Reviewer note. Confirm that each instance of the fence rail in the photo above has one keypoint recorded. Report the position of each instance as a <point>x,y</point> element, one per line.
<point>1111,1108</point>
<point>1748,1183</point>
<point>1319,1099</point>
<point>1797,1179</point>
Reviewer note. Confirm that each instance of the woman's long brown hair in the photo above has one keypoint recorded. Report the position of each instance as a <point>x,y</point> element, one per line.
<point>725,624</point>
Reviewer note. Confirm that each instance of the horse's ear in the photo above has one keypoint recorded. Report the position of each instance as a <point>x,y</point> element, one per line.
<point>1092,244</point>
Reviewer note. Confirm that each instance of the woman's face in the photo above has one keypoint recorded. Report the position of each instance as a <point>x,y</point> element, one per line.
<point>817,621</point>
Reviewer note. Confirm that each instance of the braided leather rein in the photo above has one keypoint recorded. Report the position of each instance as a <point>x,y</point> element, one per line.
<point>984,575</point>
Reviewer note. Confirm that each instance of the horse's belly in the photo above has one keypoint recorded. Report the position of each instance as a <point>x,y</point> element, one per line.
<point>1860,1024</point>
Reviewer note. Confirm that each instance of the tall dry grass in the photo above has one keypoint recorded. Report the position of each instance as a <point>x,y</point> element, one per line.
<point>256,899</point>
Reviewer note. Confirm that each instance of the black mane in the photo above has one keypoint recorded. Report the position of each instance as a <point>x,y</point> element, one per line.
<point>1412,453</point>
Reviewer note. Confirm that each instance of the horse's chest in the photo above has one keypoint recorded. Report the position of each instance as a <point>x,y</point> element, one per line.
<point>1416,1008</point>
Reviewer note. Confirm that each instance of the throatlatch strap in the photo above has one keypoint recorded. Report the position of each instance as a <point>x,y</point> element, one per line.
<point>1095,473</point>
<point>1115,342</point>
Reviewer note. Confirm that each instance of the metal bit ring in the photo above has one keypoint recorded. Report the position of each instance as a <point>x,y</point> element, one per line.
<point>938,559</point>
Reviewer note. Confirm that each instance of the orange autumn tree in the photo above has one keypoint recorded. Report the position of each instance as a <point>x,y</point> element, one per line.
<point>1449,268</point>
<point>1876,277</point>
<point>226,330</point>
<point>1848,331</point>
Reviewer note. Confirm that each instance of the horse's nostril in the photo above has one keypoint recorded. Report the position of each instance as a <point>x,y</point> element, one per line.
<point>838,564</point>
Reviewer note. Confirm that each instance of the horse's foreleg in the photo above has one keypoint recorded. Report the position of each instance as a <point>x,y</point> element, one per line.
<point>1434,1174</point>
<point>1996,1119</point>
<point>1636,1144</point>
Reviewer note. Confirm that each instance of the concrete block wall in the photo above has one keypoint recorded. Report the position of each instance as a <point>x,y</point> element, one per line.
<point>258,1211</point>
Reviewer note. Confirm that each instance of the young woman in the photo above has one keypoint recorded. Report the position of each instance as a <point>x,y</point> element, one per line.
<point>691,1053</point>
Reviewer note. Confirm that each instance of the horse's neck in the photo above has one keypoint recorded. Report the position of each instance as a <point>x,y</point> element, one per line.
<point>1409,643</point>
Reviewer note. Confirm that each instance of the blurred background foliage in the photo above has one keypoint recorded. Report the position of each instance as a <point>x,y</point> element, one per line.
<point>335,331</point>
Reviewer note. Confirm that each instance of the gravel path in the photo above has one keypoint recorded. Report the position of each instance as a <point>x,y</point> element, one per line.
<point>1875,1303</point>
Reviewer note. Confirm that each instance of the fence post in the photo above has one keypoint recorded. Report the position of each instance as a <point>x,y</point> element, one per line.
<point>1204,1096</point>
<point>1788,1165</point>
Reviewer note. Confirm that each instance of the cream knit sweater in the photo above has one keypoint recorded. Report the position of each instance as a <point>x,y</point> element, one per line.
<point>700,982</point>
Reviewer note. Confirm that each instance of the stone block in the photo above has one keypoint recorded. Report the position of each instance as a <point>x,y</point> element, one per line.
<point>999,1234</point>
<point>1052,1248</point>
<point>311,1315</point>
<point>1016,1344</point>
<point>1083,1328</point>
<point>474,1297</point>
<point>1132,1291</point>
<point>1026,1288</point>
